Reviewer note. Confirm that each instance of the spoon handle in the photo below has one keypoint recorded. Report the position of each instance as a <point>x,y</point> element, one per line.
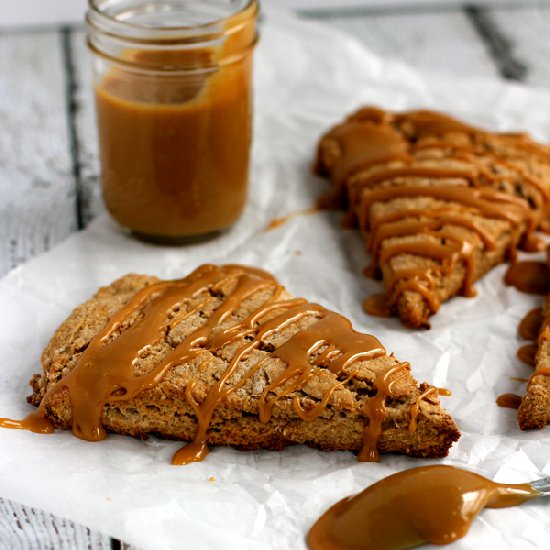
<point>542,486</point>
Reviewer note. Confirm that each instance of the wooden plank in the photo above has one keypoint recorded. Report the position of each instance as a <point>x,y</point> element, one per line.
<point>527,32</point>
<point>22,527</point>
<point>85,128</point>
<point>433,41</point>
<point>36,184</point>
<point>36,212</point>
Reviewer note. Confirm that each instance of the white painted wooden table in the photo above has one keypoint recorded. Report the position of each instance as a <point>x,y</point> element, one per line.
<point>48,163</point>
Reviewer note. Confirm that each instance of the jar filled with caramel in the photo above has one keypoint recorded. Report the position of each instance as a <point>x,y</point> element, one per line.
<point>173,90</point>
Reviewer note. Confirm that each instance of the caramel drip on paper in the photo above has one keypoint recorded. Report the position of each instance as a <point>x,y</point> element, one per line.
<point>527,353</point>
<point>279,222</point>
<point>35,422</point>
<point>530,277</point>
<point>509,400</point>
<point>431,504</point>
<point>519,379</point>
<point>104,372</point>
<point>544,332</point>
<point>529,326</point>
<point>377,305</point>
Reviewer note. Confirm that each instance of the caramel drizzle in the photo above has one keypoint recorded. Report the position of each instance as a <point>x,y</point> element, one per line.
<point>543,371</point>
<point>440,252</point>
<point>375,408</point>
<point>436,222</point>
<point>428,125</point>
<point>378,138</point>
<point>369,181</point>
<point>417,280</point>
<point>360,146</point>
<point>485,200</point>
<point>415,409</point>
<point>492,204</point>
<point>403,223</point>
<point>104,372</point>
<point>470,153</point>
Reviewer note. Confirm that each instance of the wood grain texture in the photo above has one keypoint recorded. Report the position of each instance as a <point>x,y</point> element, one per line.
<point>36,184</point>
<point>26,528</point>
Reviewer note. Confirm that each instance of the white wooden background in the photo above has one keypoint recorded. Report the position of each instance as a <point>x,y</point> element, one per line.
<point>48,164</point>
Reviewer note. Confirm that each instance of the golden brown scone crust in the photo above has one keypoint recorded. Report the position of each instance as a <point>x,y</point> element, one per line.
<point>534,410</point>
<point>511,164</point>
<point>164,410</point>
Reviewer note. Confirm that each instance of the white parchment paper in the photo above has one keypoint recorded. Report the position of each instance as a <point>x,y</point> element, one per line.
<point>307,77</point>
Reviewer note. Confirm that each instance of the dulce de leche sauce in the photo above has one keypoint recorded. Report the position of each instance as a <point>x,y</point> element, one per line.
<point>430,504</point>
<point>174,124</point>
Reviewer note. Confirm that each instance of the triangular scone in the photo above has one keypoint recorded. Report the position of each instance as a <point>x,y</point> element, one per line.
<point>440,203</point>
<point>226,356</point>
<point>534,410</point>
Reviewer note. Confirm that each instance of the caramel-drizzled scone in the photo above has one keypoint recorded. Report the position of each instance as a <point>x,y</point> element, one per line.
<point>534,410</point>
<point>226,356</point>
<point>439,202</point>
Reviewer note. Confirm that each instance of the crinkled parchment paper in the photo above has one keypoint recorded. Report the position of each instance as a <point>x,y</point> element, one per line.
<point>307,77</point>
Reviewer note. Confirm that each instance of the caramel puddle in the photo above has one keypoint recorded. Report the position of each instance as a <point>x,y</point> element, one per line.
<point>430,504</point>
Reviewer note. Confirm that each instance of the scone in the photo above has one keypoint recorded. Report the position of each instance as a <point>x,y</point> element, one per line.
<point>439,202</point>
<point>226,356</point>
<point>534,410</point>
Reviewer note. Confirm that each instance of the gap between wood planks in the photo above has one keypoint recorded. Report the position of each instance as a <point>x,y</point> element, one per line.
<point>71,88</point>
<point>499,46</point>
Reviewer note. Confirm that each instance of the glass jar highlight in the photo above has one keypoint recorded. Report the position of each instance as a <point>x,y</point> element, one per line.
<point>173,89</point>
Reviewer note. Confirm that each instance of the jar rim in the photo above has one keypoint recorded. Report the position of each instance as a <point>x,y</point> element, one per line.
<point>96,15</point>
<point>112,38</point>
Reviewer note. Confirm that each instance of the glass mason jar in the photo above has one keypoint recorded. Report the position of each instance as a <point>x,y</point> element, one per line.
<point>173,90</point>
